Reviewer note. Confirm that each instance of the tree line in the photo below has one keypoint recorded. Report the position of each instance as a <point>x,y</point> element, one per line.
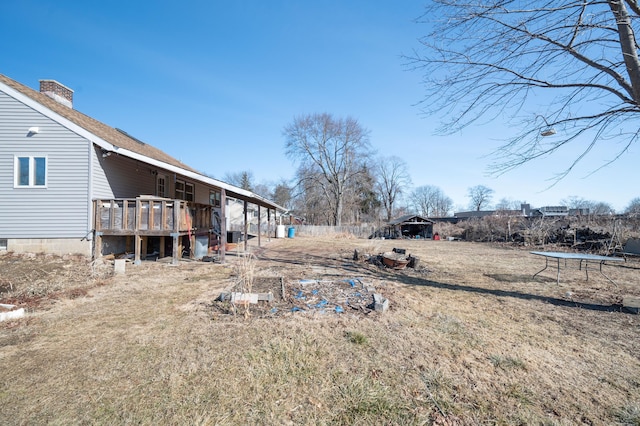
<point>339,179</point>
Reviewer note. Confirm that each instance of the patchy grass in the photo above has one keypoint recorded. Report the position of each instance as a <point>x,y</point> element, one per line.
<point>357,337</point>
<point>506,362</point>
<point>471,339</point>
<point>629,415</point>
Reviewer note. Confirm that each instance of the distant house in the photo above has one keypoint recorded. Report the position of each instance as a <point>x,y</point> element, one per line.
<point>71,184</point>
<point>552,211</point>
<point>474,214</point>
<point>409,226</point>
<point>526,211</point>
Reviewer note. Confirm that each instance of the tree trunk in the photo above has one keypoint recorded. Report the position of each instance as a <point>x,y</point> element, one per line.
<point>627,45</point>
<point>338,213</point>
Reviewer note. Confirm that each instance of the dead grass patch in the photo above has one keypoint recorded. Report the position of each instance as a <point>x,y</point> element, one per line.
<point>473,341</point>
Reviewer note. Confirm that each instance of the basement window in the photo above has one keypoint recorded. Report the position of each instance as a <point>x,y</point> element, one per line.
<point>30,172</point>
<point>3,244</point>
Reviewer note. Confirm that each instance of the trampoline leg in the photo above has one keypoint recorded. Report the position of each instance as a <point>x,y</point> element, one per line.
<point>546,265</point>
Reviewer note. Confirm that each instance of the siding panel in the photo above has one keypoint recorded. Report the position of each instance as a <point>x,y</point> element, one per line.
<point>100,185</point>
<point>128,178</point>
<point>61,209</point>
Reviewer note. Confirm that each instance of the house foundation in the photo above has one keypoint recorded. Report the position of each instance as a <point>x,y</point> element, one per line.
<point>57,246</point>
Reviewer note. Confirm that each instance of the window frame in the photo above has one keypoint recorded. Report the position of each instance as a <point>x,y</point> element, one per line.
<point>162,185</point>
<point>32,171</point>
<point>215,198</point>
<point>185,190</point>
<point>189,192</point>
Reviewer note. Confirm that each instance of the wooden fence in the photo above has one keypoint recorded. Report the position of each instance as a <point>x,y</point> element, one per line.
<point>359,231</point>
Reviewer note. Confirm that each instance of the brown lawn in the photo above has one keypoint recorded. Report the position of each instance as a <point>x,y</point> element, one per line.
<point>470,338</point>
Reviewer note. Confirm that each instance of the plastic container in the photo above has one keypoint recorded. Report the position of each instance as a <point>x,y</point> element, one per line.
<point>292,232</point>
<point>280,231</point>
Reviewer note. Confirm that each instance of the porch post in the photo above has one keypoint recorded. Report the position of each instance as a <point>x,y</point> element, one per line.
<point>136,231</point>
<point>97,235</point>
<point>259,226</point>
<point>246,226</point>
<point>176,232</point>
<point>223,225</point>
<point>268,224</point>
<point>161,254</point>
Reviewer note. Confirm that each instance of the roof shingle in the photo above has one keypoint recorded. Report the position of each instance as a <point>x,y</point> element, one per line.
<point>112,135</point>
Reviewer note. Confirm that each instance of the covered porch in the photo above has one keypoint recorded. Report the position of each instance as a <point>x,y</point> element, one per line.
<point>154,226</point>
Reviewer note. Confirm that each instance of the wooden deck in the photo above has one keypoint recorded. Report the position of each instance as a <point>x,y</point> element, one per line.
<point>150,217</point>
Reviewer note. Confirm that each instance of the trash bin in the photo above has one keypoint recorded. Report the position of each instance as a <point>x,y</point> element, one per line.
<point>292,232</point>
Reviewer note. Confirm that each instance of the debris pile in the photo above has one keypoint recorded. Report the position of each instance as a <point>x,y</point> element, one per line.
<point>8,312</point>
<point>273,297</point>
<point>395,259</point>
<point>325,296</point>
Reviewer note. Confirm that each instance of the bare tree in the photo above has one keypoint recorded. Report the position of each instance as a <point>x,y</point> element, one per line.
<point>575,202</point>
<point>594,208</point>
<point>601,208</point>
<point>479,196</point>
<point>633,209</point>
<point>508,204</point>
<point>308,198</point>
<point>392,179</point>
<point>430,201</point>
<point>243,179</point>
<point>282,194</point>
<point>335,148</point>
<point>496,59</point>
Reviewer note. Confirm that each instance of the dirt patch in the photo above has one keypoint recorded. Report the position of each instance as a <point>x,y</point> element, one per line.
<point>36,281</point>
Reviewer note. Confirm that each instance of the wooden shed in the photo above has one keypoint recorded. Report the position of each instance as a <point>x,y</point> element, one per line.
<point>409,226</point>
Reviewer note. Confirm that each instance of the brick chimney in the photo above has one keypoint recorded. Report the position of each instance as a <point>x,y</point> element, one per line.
<point>57,91</point>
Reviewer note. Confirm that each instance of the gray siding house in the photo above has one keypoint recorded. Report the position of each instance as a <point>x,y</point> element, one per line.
<point>71,184</point>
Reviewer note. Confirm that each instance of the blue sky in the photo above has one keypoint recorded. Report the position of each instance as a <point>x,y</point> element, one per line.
<point>213,83</point>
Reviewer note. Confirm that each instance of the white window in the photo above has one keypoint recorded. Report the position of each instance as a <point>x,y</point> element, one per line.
<point>30,171</point>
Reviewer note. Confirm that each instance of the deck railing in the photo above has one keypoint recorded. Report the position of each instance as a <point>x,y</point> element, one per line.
<point>150,216</point>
